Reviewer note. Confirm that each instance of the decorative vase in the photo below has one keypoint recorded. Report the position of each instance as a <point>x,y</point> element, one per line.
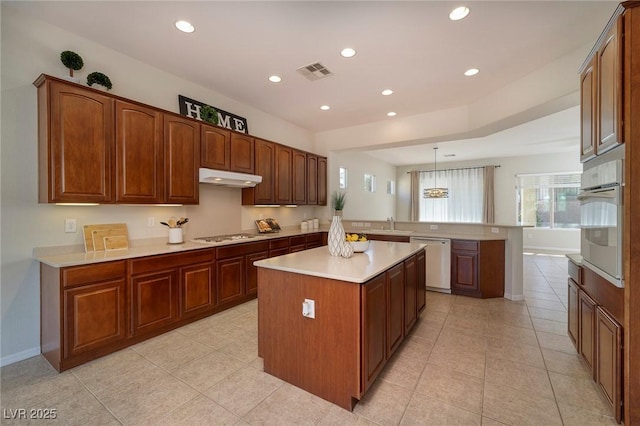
<point>337,213</point>
<point>335,237</point>
<point>346,250</point>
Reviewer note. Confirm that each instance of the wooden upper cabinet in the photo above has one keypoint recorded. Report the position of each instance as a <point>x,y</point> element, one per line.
<point>299,177</point>
<point>609,84</point>
<point>312,179</point>
<point>76,143</point>
<point>241,153</point>
<point>215,147</point>
<point>264,192</point>
<point>283,175</point>
<point>139,154</point>
<point>588,107</point>
<point>322,181</point>
<point>181,159</point>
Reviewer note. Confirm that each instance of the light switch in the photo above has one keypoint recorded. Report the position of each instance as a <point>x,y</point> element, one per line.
<point>433,227</point>
<point>70,226</point>
<point>309,308</point>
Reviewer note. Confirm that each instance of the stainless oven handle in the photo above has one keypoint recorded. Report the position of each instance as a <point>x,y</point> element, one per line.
<point>610,193</point>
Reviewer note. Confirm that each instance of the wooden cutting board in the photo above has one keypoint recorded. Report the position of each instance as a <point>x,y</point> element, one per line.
<point>116,242</point>
<point>94,236</point>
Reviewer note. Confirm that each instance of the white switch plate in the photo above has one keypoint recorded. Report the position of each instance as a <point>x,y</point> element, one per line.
<point>433,227</point>
<point>70,226</point>
<point>309,308</point>
<point>495,230</point>
<point>151,222</point>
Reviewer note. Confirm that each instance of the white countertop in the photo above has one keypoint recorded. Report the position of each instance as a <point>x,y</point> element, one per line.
<point>359,268</point>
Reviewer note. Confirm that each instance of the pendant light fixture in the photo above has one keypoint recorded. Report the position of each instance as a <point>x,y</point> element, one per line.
<point>436,192</point>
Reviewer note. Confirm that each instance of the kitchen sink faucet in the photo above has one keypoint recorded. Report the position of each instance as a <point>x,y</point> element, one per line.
<point>392,224</point>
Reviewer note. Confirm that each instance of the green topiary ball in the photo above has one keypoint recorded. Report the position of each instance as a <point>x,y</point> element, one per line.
<point>99,78</point>
<point>209,114</point>
<point>71,60</point>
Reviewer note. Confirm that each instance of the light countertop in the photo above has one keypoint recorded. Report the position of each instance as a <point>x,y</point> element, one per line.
<point>359,268</point>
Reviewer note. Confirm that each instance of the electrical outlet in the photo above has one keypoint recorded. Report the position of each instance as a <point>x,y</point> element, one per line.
<point>433,227</point>
<point>151,222</point>
<point>367,225</point>
<point>70,226</point>
<point>309,308</point>
<point>495,230</point>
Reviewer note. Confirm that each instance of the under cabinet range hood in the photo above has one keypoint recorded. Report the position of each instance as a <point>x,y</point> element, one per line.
<point>224,178</point>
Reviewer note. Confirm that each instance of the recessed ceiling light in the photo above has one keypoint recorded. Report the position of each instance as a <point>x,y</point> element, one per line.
<point>387,92</point>
<point>391,114</point>
<point>472,71</point>
<point>185,26</point>
<point>348,52</point>
<point>459,13</point>
<point>325,107</point>
<point>275,79</point>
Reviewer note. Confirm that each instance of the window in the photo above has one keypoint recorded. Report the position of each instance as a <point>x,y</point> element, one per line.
<point>343,178</point>
<point>465,200</point>
<point>370,183</point>
<point>548,200</point>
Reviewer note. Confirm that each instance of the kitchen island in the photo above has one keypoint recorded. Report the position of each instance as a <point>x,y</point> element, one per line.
<point>329,324</point>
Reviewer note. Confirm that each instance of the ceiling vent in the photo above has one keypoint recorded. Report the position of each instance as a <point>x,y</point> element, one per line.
<point>314,71</point>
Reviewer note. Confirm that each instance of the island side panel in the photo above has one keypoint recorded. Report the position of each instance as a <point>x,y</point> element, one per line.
<point>320,355</point>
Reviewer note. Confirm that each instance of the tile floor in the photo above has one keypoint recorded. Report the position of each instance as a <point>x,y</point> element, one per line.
<point>467,362</point>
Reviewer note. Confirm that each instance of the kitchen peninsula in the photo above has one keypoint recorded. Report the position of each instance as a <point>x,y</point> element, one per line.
<point>329,324</point>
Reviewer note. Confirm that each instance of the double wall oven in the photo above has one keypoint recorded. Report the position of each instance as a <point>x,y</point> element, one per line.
<point>601,199</point>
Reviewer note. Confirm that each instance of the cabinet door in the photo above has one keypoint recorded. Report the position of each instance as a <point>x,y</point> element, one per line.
<point>464,270</point>
<point>251,282</point>
<point>588,122</point>
<point>609,78</point>
<point>230,279</point>
<point>374,329</point>
<point>94,316</point>
<point>421,301</point>
<point>154,301</point>
<point>81,147</point>
<point>609,359</point>
<point>197,289</point>
<point>241,153</point>
<point>284,175</point>
<point>573,313</point>
<point>586,329</point>
<point>395,308</point>
<point>139,154</point>
<point>299,177</point>
<point>181,159</point>
<point>215,148</point>
<point>410,292</point>
<point>322,181</point>
<point>264,192</point>
<point>312,179</point>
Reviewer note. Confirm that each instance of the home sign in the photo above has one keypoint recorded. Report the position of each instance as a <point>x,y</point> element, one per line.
<point>191,109</point>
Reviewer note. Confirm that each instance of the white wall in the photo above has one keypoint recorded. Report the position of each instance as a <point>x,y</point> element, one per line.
<point>31,47</point>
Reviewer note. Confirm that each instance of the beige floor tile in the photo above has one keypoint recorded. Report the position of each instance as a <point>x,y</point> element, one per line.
<point>403,371</point>
<point>340,417</point>
<point>548,314</point>
<point>289,405</point>
<point>200,411</point>
<point>578,392</point>
<point>244,348</point>
<point>384,403</point>
<point>577,416</point>
<point>547,304</point>
<point>469,310</point>
<point>415,347</point>
<point>472,301</point>
<point>468,363</point>
<point>442,305</point>
<point>509,307</point>
<point>203,373</point>
<point>514,334</point>
<point>467,324</point>
<point>531,295</point>
<point>516,407</point>
<point>243,390</point>
<point>463,340</point>
<point>565,363</point>
<point>507,318</point>
<point>452,387</point>
<point>486,421</point>
<point>428,411</point>
<point>426,331</point>
<point>113,371</point>
<point>434,318</point>
<point>171,349</point>
<point>555,342</point>
<point>549,326</point>
<point>502,349</point>
<point>519,376</point>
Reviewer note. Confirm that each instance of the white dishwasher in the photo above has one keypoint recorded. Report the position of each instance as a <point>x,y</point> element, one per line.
<point>438,263</point>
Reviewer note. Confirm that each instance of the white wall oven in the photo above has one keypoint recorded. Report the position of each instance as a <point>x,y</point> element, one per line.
<point>601,207</point>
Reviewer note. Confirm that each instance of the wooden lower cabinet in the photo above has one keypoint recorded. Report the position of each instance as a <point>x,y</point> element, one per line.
<point>608,359</point>
<point>421,296</point>
<point>395,308</point>
<point>586,329</point>
<point>154,300</point>
<point>251,282</point>
<point>477,268</point>
<point>197,289</point>
<point>410,293</point>
<point>236,277</point>
<point>374,327</point>
<point>229,279</point>
<point>573,319</point>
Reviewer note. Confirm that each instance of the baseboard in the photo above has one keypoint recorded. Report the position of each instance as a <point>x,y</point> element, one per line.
<point>551,249</point>
<point>10,359</point>
<point>514,297</point>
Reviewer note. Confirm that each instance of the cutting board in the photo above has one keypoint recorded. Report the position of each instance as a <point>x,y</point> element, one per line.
<point>94,236</point>
<point>115,242</point>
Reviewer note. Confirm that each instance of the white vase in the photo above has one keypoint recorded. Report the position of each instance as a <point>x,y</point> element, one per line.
<point>346,250</point>
<point>175,236</point>
<point>335,237</point>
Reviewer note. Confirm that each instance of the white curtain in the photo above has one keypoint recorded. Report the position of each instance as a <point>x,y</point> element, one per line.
<point>466,199</point>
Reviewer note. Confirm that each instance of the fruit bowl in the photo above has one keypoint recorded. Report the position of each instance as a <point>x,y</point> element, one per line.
<point>359,246</point>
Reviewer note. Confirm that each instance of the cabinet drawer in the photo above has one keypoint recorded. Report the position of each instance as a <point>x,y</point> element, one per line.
<point>575,272</point>
<point>464,245</point>
<point>279,243</point>
<point>297,240</point>
<point>79,275</point>
<point>170,261</point>
<point>241,249</point>
<point>314,238</point>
